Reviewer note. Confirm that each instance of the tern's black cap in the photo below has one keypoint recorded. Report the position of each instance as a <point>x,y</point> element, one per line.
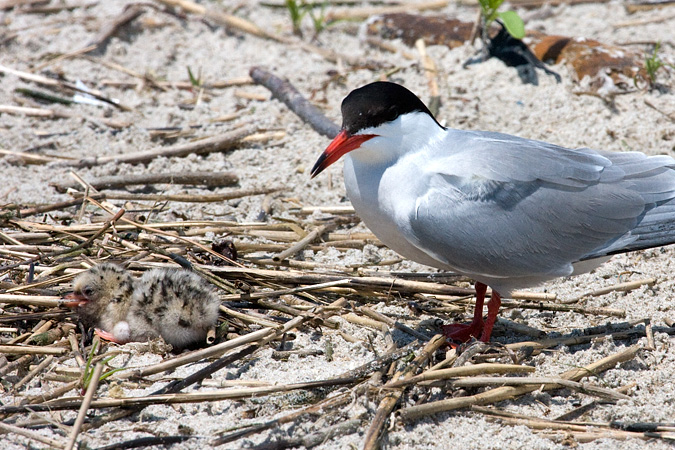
<point>378,103</point>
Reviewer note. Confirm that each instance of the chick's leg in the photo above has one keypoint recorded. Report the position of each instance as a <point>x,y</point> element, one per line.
<point>105,335</point>
<point>119,335</point>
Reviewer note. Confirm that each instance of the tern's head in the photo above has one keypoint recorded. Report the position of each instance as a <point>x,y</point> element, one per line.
<point>380,109</point>
<point>97,288</point>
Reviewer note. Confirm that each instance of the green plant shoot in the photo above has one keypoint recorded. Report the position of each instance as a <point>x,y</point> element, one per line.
<point>89,369</point>
<point>512,21</point>
<point>296,12</point>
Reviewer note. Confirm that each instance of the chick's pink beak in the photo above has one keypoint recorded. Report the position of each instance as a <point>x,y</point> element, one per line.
<point>341,145</point>
<point>77,300</point>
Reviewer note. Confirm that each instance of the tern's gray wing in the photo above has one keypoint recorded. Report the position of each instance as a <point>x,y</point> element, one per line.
<point>499,206</point>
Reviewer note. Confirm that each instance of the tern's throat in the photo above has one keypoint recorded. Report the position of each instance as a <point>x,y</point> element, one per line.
<point>408,133</point>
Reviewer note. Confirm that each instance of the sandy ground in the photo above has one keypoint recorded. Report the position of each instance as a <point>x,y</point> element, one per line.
<point>489,96</point>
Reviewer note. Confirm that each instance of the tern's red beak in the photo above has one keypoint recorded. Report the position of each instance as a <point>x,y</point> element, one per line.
<point>341,145</point>
<point>77,299</point>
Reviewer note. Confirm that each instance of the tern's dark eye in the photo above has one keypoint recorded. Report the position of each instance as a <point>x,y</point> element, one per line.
<point>87,291</point>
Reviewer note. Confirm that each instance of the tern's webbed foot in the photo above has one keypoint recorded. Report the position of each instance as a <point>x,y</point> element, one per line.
<point>463,332</point>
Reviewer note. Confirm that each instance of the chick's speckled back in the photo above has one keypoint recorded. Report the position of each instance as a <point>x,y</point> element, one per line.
<point>175,304</point>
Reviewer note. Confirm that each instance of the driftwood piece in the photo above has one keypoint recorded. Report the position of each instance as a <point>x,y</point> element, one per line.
<point>209,179</point>
<point>218,143</point>
<point>286,92</point>
<point>130,13</point>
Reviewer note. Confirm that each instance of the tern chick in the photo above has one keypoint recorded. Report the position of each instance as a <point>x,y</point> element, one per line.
<point>172,303</point>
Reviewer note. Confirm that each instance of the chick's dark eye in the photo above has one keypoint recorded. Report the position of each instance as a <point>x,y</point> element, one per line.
<point>87,291</point>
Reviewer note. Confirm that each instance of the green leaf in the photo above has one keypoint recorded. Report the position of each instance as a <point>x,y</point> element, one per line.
<point>494,4</point>
<point>193,81</point>
<point>513,23</point>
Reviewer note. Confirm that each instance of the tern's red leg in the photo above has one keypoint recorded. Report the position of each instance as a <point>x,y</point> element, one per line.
<point>493,308</point>
<point>107,336</point>
<point>464,332</point>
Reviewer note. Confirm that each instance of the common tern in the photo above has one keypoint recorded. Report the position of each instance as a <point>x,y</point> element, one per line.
<point>506,211</point>
<point>175,304</point>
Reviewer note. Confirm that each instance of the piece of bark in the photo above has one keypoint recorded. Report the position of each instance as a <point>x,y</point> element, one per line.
<point>588,57</point>
<point>434,30</point>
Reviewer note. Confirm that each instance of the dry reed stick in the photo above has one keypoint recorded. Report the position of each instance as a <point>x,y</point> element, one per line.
<point>266,294</point>
<point>521,381</point>
<point>28,158</point>
<point>68,403</point>
<point>365,322</point>
<point>58,392</point>
<point>294,276</point>
<point>431,74</point>
<point>31,350</point>
<point>30,375</point>
<point>209,179</point>
<point>223,142</point>
<point>48,301</point>
<point>583,437</point>
<point>463,371</point>
<point>83,245</point>
<point>247,317</point>
<point>9,367</point>
<point>504,393</point>
<point>321,406</point>
<point>573,340</point>
<point>621,287</point>
<point>194,356</point>
<point>363,13</point>
<point>545,306</point>
<point>188,198</point>
<point>305,241</point>
<point>387,404</point>
<point>393,323</point>
<point>7,428</point>
<point>309,210</point>
<point>52,114</point>
<point>85,405</point>
<point>186,85</point>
